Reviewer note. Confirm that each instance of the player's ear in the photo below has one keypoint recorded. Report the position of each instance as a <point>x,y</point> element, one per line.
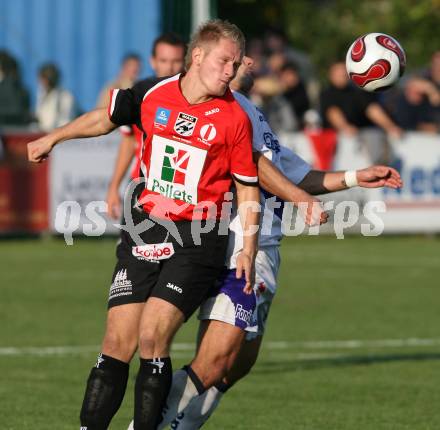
<point>197,55</point>
<point>153,63</point>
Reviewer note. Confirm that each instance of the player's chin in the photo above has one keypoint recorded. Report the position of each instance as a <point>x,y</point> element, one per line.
<point>220,90</point>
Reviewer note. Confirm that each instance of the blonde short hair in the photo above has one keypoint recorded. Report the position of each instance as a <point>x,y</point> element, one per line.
<point>213,31</point>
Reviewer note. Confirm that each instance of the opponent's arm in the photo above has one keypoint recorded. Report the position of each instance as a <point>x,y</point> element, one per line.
<point>248,200</point>
<point>318,182</point>
<point>93,123</point>
<point>126,152</point>
<point>275,182</point>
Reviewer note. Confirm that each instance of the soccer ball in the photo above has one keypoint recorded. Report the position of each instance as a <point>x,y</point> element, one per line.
<point>375,61</point>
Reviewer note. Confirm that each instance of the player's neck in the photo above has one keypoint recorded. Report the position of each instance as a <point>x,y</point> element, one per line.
<point>192,89</point>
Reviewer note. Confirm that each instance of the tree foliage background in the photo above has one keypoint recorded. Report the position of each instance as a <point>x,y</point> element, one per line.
<point>324,29</point>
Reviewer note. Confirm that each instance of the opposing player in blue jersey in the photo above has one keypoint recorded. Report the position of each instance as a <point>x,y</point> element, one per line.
<point>232,323</point>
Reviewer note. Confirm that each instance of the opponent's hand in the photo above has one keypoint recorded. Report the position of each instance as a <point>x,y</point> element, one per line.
<point>312,211</point>
<point>113,203</point>
<point>38,150</point>
<point>246,264</point>
<point>379,176</point>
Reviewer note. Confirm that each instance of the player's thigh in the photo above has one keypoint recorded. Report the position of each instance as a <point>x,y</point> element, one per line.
<point>159,323</point>
<point>185,282</point>
<point>122,331</point>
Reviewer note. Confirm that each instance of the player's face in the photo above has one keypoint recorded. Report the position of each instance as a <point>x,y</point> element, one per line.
<point>244,76</point>
<point>168,60</point>
<point>218,65</point>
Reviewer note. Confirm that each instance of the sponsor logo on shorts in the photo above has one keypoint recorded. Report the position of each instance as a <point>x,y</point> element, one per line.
<point>121,285</point>
<point>153,252</point>
<point>242,314</point>
<point>185,124</point>
<point>162,117</point>
<point>174,287</point>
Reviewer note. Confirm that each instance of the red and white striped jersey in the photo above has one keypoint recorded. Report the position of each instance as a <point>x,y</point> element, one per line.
<point>190,152</point>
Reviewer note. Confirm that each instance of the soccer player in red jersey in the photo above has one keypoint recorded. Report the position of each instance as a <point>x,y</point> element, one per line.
<point>167,59</point>
<point>197,143</point>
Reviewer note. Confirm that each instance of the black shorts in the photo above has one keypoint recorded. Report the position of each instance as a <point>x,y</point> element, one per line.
<point>182,274</point>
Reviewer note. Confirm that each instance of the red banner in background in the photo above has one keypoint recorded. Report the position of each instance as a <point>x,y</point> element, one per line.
<point>24,187</point>
<point>324,144</point>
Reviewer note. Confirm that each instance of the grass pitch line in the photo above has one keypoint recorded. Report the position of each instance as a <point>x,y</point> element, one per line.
<point>183,350</point>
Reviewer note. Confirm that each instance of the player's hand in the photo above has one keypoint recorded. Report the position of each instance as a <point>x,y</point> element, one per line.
<point>379,176</point>
<point>312,211</point>
<point>38,150</point>
<point>113,203</point>
<point>246,264</point>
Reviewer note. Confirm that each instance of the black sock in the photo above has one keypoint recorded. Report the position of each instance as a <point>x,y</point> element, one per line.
<point>222,386</point>
<point>153,383</point>
<point>104,392</point>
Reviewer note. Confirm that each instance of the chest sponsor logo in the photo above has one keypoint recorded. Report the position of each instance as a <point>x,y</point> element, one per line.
<point>175,169</point>
<point>208,132</point>
<point>162,116</point>
<point>212,111</point>
<point>153,252</point>
<point>185,124</point>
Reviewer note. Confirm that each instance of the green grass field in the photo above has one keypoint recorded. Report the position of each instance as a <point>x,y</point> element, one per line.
<point>382,294</point>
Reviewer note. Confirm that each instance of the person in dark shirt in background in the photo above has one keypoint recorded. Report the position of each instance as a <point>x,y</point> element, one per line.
<point>14,98</point>
<point>356,113</point>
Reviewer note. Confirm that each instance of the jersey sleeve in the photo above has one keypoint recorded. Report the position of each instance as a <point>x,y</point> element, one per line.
<point>125,105</point>
<point>293,166</point>
<point>242,166</point>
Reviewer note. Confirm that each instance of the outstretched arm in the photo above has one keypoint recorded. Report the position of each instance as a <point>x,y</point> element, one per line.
<point>93,123</point>
<point>275,182</point>
<point>318,182</point>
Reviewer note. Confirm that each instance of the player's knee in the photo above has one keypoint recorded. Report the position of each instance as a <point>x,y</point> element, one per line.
<point>117,346</point>
<point>152,344</point>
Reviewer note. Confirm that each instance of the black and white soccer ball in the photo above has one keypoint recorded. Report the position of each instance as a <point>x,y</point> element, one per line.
<point>375,61</point>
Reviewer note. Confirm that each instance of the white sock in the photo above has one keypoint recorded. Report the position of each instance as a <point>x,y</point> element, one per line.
<point>198,411</point>
<point>182,391</point>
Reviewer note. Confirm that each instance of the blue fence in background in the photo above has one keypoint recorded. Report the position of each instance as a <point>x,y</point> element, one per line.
<point>85,38</point>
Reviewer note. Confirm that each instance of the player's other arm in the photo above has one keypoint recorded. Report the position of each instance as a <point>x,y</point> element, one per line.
<point>275,182</point>
<point>248,201</point>
<point>318,182</point>
<point>90,124</point>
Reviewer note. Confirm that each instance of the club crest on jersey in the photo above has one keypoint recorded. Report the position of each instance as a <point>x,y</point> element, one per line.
<point>162,117</point>
<point>185,124</point>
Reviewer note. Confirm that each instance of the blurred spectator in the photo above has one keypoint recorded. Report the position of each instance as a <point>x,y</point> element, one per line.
<point>14,98</point>
<point>433,75</point>
<point>356,113</point>
<point>294,91</point>
<point>417,105</point>
<point>55,105</point>
<point>433,72</point>
<point>275,41</point>
<point>167,55</point>
<point>128,75</point>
